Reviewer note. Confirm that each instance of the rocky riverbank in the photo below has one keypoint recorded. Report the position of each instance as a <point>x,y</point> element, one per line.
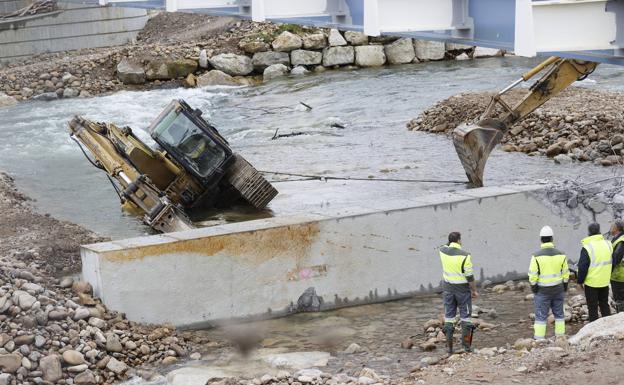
<point>178,49</point>
<point>52,330</point>
<point>580,124</point>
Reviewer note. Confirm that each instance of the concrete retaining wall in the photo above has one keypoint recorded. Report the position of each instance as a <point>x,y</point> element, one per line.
<point>8,6</point>
<point>262,268</point>
<point>73,27</point>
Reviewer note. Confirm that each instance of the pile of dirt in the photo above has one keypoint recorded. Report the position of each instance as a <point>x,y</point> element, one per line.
<point>580,124</point>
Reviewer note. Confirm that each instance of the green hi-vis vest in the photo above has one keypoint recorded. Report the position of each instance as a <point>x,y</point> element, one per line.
<point>549,266</point>
<point>599,251</point>
<point>618,270</point>
<point>456,264</point>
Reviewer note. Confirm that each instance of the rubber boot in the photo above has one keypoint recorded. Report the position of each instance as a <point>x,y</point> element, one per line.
<point>448,330</point>
<point>467,331</point>
<point>619,306</point>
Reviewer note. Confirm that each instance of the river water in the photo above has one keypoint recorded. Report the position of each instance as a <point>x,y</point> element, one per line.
<point>373,105</point>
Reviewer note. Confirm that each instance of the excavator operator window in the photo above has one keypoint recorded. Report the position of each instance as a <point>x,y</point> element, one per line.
<point>179,134</point>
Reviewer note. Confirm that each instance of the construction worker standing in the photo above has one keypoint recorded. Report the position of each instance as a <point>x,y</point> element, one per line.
<point>617,275</point>
<point>548,276</point>
<point>459,289</point>
<point>594,271</point>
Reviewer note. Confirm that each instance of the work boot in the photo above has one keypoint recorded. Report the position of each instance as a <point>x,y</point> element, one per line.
<point>467,332</point>
<point>619,306</point>
<point>448,330</point>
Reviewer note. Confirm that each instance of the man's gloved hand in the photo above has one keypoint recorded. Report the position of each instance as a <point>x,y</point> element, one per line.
<point>565,286</point>
<point>534,289</point>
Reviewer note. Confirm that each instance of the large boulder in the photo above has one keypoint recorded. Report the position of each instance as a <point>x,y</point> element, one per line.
<point>611,327</point>
<point>181,68</point>
<point>232,64</point>
<point>429,50</point>
<point>6,100</point>
<point>130,72</point>
<point>457,47</point>
<point>286,42</point>
<point>356,38</point>
<point>262,60</point>
<point>336,39</point>
<point>304,57</point>
<point>400,51</point>
<point>253,45</point>
<point>333,56</point>
<point>215,78</point>
<point>274,71</point>
<point>51,368</point>
<point>157,70</point>
<point>370,56</point>
<point>316,40</point>
<point>486,52</point>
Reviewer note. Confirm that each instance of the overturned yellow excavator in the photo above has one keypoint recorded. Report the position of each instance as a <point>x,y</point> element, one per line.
<point>193,168</point>
<point>475,142</point>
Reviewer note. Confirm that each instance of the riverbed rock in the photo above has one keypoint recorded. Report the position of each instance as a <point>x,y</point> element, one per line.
<point>82,287</point>
<point>523,343</point>
<point>286,42</point>
<point>215,78</point>
<point>611,327</point>
<point>262,60</point>
<point>400,51</point>
<point>356,38</point>
<point>335,38</point>
<point>370,56</point>
<point>462,56</point>
<point>274,71</point>
<point>116,366</point>
<point>129,72</point>
<point>181,68</point>
<point>333,56</point>
<point>85,378</point>
<point>305,57</point>
<point>203,59</point>
<point>9,363</point>
<point>353,349</point>
<point>51,368</point>
<point>23,299</point>
<point>46,96</point>
<point>232,64</point>
<point>429,50</point>
<point>6,100</point>
<point>73,357</point>
<point>70,93</point>
<point>316,40</point>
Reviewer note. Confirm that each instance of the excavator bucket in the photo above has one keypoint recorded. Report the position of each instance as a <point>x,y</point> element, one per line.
<point>474,143</point>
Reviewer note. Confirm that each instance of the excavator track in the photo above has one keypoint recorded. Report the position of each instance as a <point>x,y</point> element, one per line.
<point>250,183</point>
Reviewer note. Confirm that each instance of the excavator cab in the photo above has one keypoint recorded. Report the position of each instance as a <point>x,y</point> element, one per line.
<point>192,142</point>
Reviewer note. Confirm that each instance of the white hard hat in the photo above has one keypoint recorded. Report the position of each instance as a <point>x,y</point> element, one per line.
<point>546,231</point>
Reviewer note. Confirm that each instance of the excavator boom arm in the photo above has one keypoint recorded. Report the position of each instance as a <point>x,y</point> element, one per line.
<point>474,143</point>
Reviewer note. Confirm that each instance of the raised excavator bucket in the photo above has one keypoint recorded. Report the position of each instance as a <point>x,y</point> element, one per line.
<point>474,143</point>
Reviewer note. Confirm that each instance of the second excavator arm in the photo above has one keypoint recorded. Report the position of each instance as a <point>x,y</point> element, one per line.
<point>475,142</point>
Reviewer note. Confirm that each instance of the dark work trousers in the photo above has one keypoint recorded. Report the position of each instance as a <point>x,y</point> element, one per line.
<point>597,297</point>
<point>617,288</point>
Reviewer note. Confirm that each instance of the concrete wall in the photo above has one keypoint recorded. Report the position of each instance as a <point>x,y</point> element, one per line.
<point>8,6</point>
<point>262,267</point>
<point>74,27</point>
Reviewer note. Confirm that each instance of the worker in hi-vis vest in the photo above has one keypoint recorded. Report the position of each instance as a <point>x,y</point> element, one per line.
<point>548,276</point>
<point>594,271</point>
<point>617,273</point>
<point>459,289</point>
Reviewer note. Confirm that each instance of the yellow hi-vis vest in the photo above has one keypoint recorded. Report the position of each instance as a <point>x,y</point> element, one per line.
<point>456,264</point>
<point>549,267</point>
<point>599,251</point>
<point>618,270</point>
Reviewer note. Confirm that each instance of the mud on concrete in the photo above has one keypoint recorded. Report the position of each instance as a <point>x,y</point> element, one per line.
<point>580,124</point>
